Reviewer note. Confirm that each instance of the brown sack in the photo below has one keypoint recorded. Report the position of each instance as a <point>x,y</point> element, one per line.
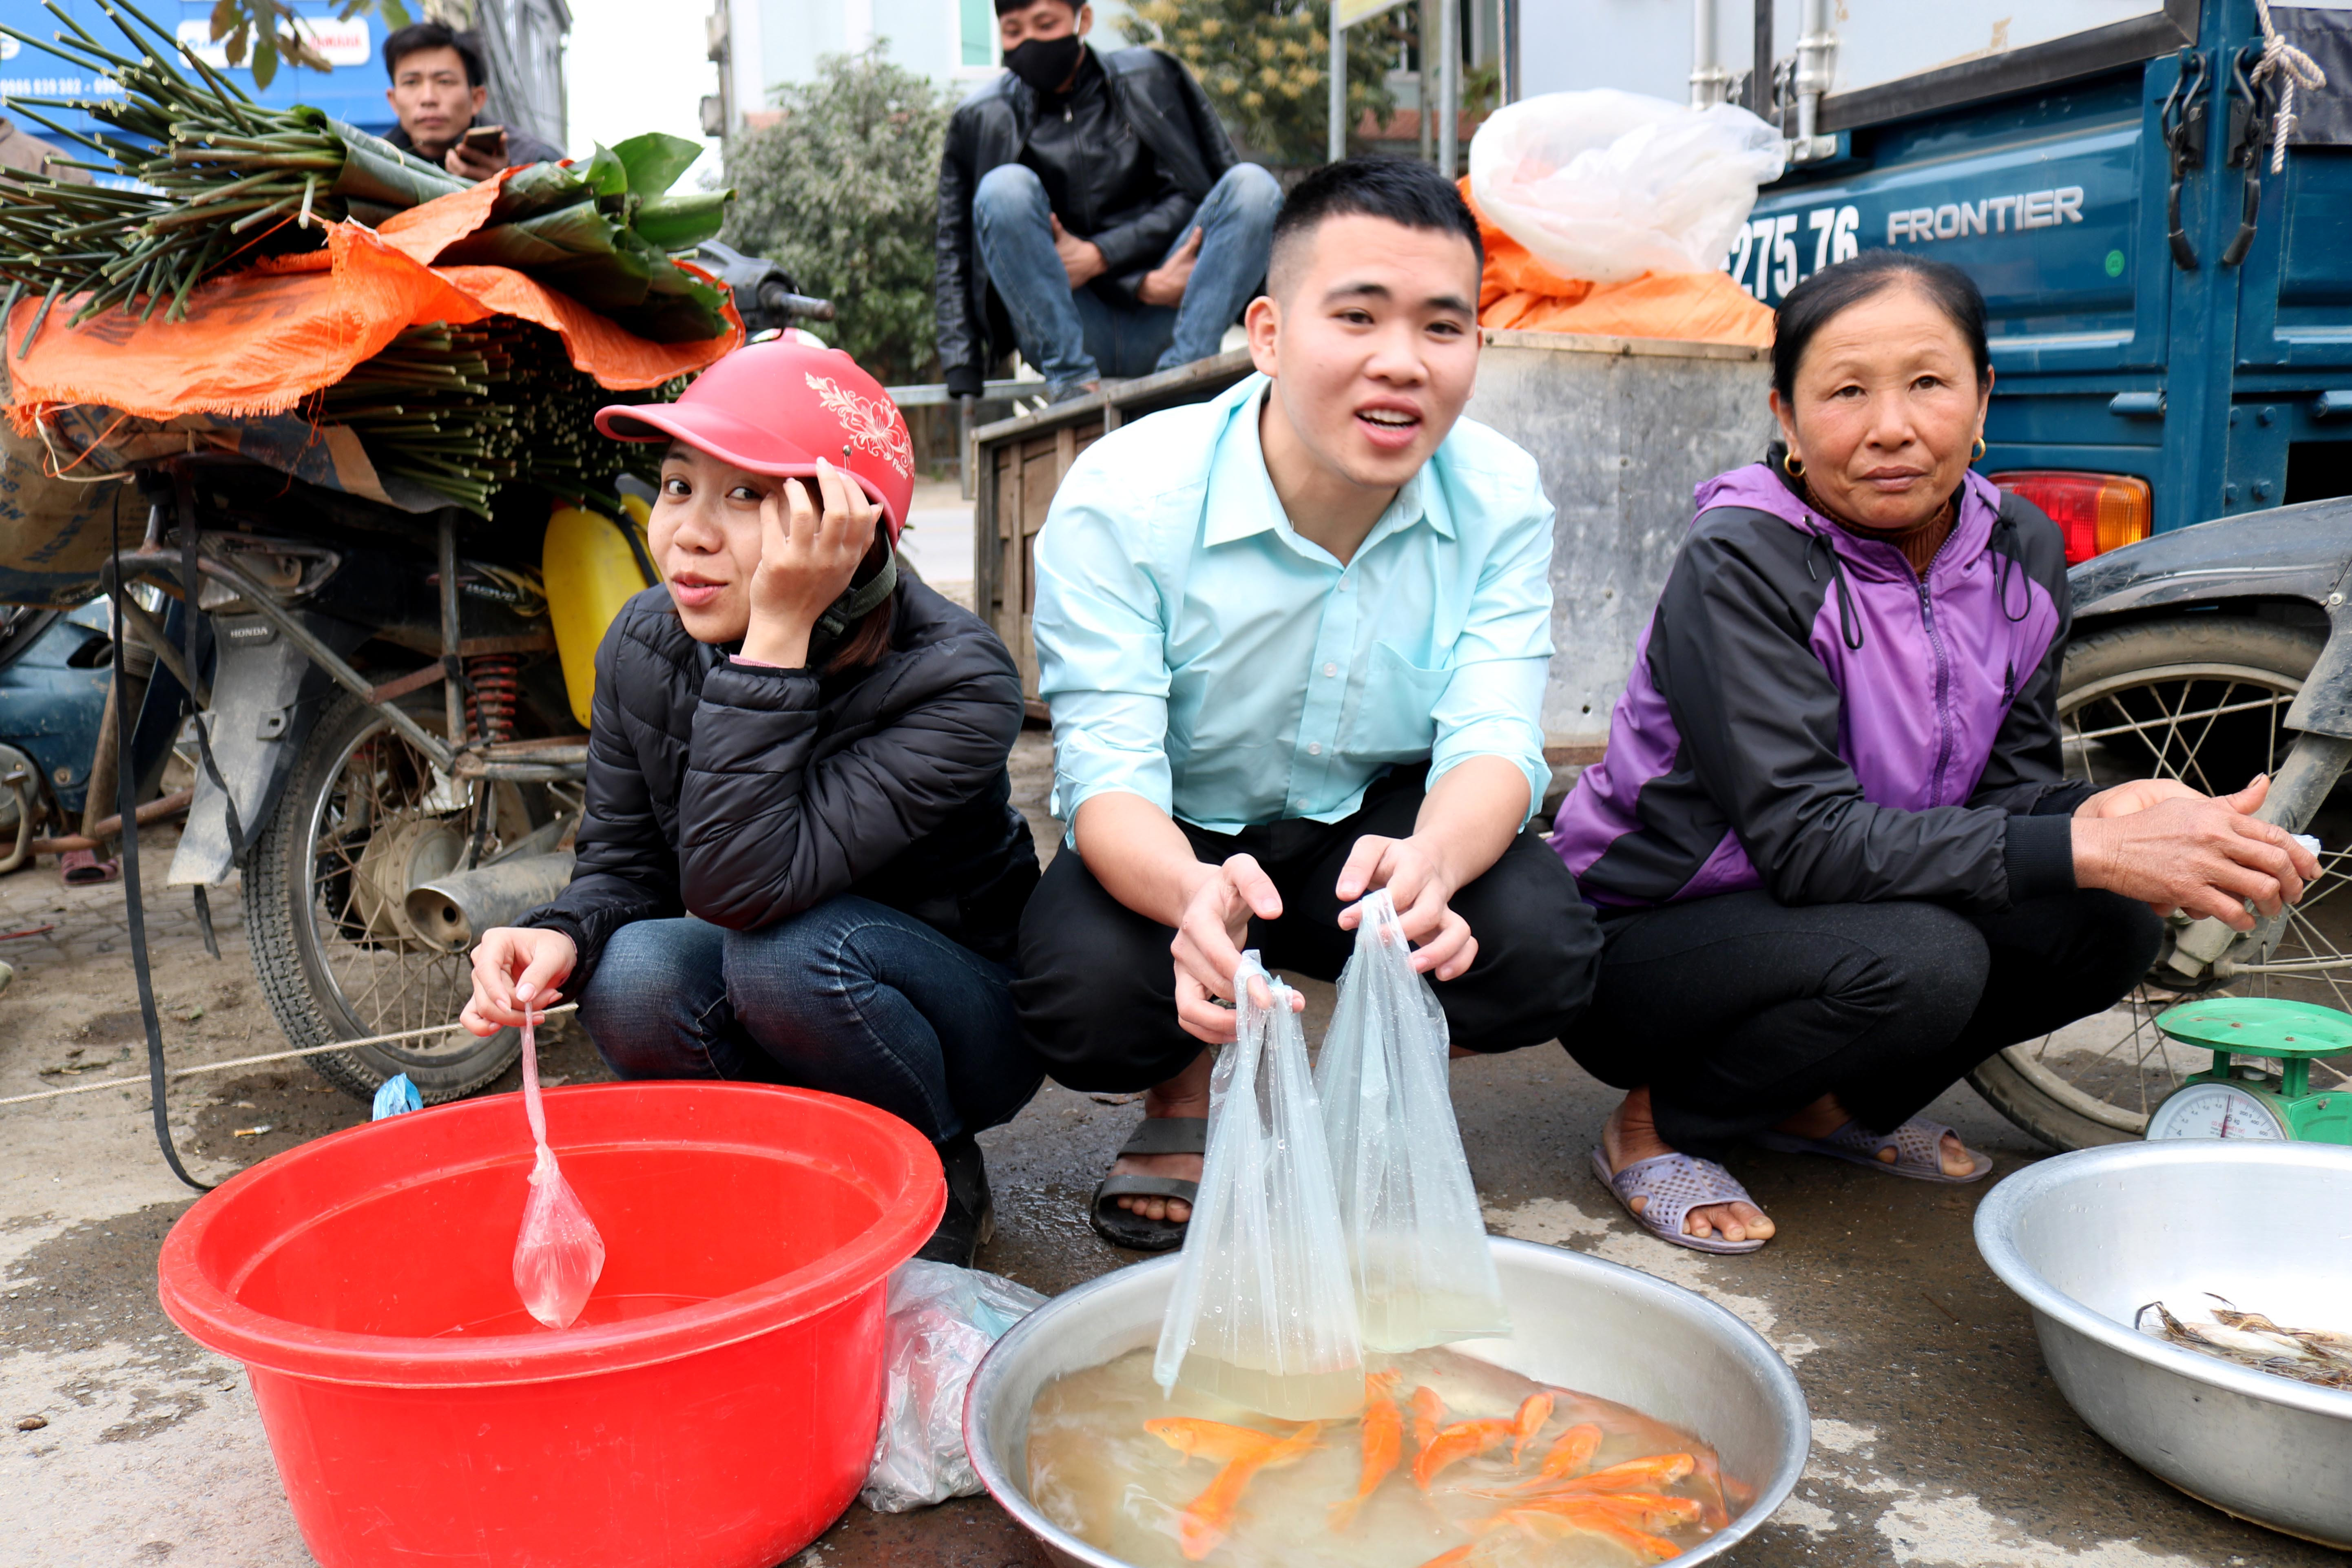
<point>56,533</point>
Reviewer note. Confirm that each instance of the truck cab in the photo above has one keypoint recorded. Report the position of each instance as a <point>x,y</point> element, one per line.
<point>2171,316</point>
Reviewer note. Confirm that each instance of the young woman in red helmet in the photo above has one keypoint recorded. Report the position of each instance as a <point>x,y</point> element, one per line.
<point>799,862</point>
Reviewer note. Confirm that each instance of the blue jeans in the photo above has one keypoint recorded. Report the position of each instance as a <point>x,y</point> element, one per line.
<point>1075,336</point>
<point>851,997</point>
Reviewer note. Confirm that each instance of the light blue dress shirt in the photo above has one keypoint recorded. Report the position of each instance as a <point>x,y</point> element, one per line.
<point>1196,650</point>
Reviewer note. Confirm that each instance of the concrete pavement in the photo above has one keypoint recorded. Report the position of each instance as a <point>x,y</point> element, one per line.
<point>1938,1438</point>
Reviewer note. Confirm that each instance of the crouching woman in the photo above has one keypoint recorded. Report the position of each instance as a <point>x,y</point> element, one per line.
<point>799,863</point>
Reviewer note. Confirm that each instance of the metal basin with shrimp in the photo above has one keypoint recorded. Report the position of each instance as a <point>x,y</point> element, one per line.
<point>2087,1239</point>
<point>1581,1323</point>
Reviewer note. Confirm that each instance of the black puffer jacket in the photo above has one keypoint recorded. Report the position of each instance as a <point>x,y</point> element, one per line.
<point>1170,115</point>
<point>744,796</point>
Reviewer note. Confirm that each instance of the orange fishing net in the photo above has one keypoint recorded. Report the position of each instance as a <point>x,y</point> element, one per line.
<point>1519,291</point>
<point>260,341</point>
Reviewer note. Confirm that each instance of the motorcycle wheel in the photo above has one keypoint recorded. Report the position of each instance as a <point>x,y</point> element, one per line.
<point>2203,699</point>
<point>363,815</point>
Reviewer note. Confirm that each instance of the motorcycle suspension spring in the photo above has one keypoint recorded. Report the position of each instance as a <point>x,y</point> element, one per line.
<point>491,707</point>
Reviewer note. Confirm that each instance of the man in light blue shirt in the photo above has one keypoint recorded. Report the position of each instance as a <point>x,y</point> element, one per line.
<point>1294,643</point>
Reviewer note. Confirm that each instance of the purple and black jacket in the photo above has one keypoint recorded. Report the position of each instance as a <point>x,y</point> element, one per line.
<point>1809,716</point>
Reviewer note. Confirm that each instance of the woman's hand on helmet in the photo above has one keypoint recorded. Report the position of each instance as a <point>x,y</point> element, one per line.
<point>515,966</point>
<point>812,537</point>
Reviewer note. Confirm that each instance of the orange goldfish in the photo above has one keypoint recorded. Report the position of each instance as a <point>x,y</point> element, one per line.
<point>1650,1510</point>
<point>1208,1518</point>
<point>1428,1416</point>
<point>1570,1453</point>
<point>1458,1442</point>
<point>1457,1558</point>
<point>1559,1521</point>
<point>1383,1444</point>
<point>1212,1440</point>
<point>1656,1470</point>
<point>1534,1411</point>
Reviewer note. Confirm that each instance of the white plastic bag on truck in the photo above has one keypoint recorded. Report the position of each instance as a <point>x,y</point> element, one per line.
<point>942,1319</point>
<point>1263,1312</point>
<point>1416,1239</point>
<point>1606,185</point>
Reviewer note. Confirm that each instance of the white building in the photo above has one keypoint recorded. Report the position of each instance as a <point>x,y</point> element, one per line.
<point>761,45</point>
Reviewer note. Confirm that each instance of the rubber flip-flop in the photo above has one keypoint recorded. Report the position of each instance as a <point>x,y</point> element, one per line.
<point>1125,1227</point>
<point>1673,1186</point>
<point>1918,1148</point>
<point>82,869</point>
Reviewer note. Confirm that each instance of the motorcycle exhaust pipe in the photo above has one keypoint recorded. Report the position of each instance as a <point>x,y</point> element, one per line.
<point>451,910</point>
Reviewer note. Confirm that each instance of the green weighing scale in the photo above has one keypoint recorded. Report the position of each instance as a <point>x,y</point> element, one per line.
<point>2235,1099</point>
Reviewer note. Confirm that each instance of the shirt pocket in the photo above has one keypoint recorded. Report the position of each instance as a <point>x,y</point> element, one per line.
<point>1391,719</point>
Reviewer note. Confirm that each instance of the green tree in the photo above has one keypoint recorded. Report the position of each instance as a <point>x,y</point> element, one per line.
<point>843,192</point>
<point>271,30</point>
<point>1265,66</point>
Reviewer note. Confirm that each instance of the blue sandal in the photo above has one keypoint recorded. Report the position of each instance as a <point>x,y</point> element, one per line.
<point>1918,1148</point>
<point>1673,1186</point>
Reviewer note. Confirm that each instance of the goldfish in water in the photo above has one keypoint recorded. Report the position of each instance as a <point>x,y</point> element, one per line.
<point>1654,1471</point>
<point>1534,1411</point>
<point>1590,1516</point>
<point>1570,1453</point>
<point>1456,1443</point>
<point>1383,1444</point>
<point>1428,1417</point>
<point>1208,1518</point>
<point>1212,1440</point>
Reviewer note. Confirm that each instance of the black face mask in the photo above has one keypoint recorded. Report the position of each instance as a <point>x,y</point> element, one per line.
<point>1044,63</point>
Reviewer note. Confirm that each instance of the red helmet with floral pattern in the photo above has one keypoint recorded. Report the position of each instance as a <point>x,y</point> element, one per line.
<point>775,409</point>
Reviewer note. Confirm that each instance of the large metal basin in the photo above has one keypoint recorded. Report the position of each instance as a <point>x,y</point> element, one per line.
<point>1581,1323</point>
<point>2088,1239</point>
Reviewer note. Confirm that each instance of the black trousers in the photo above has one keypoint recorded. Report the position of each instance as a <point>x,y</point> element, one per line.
<point>1097,992</point>
<point>1738,1011</point>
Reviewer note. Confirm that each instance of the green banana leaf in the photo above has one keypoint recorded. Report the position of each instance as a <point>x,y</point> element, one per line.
<point>539,189</point>
<point>377,172</point>
<point>605,174</point>
<point>655,161</point>
<point>681,223</point>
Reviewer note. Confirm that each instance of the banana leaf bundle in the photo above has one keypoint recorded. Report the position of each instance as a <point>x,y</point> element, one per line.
<point>223,181</point>
<point>466,411</point>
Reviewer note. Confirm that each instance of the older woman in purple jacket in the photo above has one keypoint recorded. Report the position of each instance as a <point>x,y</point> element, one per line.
<point>1837,859</point>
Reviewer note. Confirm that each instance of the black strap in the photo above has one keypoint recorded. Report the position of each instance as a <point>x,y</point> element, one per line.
<point>191,585</point>
<point>126,792</point>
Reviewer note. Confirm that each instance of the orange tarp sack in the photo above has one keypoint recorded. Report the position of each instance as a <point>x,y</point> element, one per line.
<point>1518,292</point>
<point>260,341</point>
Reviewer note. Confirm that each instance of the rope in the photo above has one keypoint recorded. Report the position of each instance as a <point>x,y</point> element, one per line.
<point>257,1061</point>
<point>2293,68</point>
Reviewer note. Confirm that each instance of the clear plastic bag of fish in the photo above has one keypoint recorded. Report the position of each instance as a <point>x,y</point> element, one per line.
<point>558,1253</point>
<point>1416,1240</point>
<point>1264,1310</point>
<point>942,1319</point>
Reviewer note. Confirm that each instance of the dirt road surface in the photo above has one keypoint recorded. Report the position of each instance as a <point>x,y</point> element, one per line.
<point>1938,1438</point>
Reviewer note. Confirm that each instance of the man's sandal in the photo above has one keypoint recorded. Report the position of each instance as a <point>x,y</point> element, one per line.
<point>1125,1227</point>
<point>1918,1148</point>
<point>1672,1185</point>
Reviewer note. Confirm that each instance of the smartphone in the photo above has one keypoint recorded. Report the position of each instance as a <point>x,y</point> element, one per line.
<point>486,138</point>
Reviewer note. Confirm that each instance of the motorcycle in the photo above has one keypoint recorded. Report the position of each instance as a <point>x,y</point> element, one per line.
<point>2208,655</point>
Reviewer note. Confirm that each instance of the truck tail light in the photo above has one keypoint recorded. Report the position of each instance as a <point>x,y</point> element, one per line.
<point>2094,513</point>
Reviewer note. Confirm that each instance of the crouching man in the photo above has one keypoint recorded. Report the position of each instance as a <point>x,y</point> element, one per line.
<point>1294,641</point>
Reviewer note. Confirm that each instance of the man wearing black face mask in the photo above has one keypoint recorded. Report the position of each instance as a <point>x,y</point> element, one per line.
<point>1092,212</point>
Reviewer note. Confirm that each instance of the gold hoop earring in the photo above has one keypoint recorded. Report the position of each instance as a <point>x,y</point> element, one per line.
<point>1792,465</point>
<point>1977,456</point>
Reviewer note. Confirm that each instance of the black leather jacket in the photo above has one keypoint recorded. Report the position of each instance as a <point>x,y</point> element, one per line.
<point>1172,116</point>
<point>745,795</point>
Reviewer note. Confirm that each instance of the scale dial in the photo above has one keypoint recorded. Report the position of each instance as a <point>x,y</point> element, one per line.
<point>2214,1111</point>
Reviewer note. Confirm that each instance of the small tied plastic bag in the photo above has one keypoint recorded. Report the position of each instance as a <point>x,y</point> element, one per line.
<point>1264,1314</point>
<point>1416,1241</point>
<point>558,1255</point>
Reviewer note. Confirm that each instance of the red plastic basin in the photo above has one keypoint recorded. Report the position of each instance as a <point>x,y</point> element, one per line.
<point>714,1408</point>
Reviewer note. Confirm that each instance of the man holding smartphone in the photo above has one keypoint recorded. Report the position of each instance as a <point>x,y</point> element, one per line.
<point>437,88</point>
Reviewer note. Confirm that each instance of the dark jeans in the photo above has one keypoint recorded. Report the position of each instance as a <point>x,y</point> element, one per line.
<point>851,997</point>
<point>1738,1011</point>
<point>1098,987</point>
<point>1077,336</point>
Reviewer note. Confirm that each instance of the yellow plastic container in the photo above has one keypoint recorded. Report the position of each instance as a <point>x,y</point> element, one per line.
<point>590,572</point>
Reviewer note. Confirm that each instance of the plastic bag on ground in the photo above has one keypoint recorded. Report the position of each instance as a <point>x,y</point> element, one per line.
<point>396,1096</point>
<point>943,1319</point>
<point>1424,1273</point>
<point>1603,185</point>
<point>558,1253</point>
<point>1264,1311</point>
